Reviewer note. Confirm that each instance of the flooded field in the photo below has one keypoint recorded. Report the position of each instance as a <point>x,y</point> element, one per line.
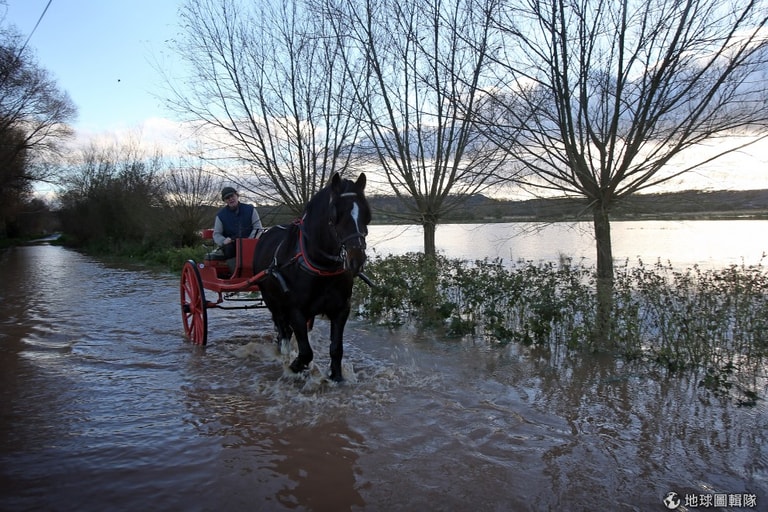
<point>710,244</point>
<point>106,407</point>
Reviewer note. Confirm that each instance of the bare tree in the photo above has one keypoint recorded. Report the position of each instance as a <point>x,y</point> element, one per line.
<point>612,93</point>
<point>34,114</point>
<point>112,196</point>
<point>32,104</point>
<point>189,188</point>
<point>426,61</point>
<point>268,88</point>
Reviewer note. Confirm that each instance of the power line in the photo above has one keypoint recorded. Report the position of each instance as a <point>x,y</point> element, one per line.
<point>35,28</point>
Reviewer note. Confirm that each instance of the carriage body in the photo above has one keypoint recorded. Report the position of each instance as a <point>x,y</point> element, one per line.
<point>234,287</point>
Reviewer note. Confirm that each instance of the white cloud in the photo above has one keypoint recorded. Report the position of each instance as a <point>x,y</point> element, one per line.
<point>169,137</point>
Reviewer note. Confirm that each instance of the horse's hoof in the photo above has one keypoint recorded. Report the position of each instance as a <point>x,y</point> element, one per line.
<point>297,366</point>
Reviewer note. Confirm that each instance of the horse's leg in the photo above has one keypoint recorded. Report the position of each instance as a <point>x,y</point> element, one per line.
<point>299,324</point>
<point>337,343</point>
<point>284,333</point>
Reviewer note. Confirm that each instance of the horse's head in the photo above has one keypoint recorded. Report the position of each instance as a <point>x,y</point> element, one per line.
<point>349,217</point>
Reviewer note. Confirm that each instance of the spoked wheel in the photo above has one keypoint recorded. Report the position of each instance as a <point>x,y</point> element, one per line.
<point>193,312</point>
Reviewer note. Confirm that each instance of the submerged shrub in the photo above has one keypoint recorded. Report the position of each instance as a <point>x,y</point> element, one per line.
<point>715,319</point>
<point>526,303</point>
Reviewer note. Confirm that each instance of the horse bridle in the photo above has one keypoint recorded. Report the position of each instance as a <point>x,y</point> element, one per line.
<point>352,236</point>
<point>303,257</point>
<point>356,235</point>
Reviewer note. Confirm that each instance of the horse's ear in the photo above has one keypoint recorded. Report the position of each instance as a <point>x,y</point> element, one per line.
<point>335,181</point>
<point>361,181</point>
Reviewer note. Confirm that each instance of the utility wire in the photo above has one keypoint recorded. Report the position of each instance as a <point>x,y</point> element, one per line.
<point>35,28</point>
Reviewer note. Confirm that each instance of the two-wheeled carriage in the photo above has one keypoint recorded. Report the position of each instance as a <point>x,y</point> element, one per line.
<point>235,286</point>
<point>309,267</point>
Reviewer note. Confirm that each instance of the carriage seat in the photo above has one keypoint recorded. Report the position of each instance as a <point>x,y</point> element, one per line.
<point>240,266</point>
<point>215,255</point>
<point>245,249</point>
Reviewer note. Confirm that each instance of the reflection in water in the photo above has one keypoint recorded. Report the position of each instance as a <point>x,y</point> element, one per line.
<point>319,462</point>
<point>105,406</point>
<point>649,433</point>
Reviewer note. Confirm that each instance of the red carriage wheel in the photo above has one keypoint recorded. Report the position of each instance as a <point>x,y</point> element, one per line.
<point>193,311</point>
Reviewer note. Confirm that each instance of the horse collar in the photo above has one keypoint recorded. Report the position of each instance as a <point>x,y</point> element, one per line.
<point>302,257</point>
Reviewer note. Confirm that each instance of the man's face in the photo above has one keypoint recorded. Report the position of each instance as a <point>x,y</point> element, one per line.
<point>231,200</point>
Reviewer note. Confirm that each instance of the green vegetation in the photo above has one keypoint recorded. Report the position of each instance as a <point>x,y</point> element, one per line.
<point>170,259</point>
<point>716,321</point>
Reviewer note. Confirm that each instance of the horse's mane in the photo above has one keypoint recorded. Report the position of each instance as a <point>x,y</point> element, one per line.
<point>320,202</point>
<point>321,199</point>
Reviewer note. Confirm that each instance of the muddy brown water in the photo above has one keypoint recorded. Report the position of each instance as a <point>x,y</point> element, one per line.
<point>106,407</point>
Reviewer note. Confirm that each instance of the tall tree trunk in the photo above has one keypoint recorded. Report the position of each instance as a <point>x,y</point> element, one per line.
<point>429,227</point>
<point>429,311</point>
<point>602,224</point>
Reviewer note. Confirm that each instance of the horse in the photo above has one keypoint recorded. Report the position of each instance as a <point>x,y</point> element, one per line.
<point>310,265</point>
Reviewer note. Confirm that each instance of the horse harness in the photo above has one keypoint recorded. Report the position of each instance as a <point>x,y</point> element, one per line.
<point>301,256</point>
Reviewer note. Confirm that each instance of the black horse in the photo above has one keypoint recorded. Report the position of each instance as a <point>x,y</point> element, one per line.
<point>311,264</point>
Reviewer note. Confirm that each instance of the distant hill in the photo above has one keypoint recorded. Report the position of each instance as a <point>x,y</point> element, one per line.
<point>691,204</point>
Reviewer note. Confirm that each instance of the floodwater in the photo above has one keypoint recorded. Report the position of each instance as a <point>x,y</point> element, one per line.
<point>104,406</point>
<point>708,243</point>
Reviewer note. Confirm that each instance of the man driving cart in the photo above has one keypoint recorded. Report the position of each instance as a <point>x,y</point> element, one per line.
<point>235,220</point>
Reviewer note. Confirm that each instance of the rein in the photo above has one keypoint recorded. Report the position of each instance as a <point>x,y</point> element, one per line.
<point>303,258</point>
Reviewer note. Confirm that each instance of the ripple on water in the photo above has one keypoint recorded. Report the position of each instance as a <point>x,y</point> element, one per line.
<point>253,373</point>
<point>106,406</point>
